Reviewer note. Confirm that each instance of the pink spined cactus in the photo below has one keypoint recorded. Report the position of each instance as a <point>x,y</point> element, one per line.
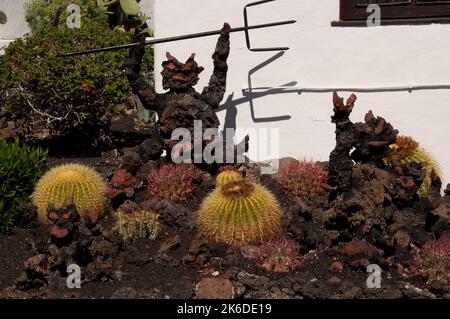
<point>304,179</point>
<point>279,256</point>
<point>171,182</point>
<point>432,261</point>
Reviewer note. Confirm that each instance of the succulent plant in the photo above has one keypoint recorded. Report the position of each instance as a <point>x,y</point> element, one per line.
<point>171,182</point>
<point>304,179</point>
<point>141,224</point>
<point>227,175</point>
<point>432,261</point>
<point>279,256</point>
<point>240,213</point>
<point>79,183</point>
<point>126,14</point>
<point>406,151</point>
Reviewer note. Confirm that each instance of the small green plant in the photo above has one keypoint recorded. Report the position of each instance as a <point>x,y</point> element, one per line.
<point>240,213</point>
<point>406,151</point>
<point>304,179</point>
<point>432,260</point>
<point>76,182</point>
<point>281,255</point>
<point>171,182</point>
<point>141,224</point>
<point>20,168</point>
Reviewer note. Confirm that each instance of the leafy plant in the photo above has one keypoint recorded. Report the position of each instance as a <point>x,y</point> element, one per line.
<point>304,179</point>
<point>83,185</point>
<point>66,98</point>
<point>125,15</point>
<point>432,261</point>
<point>405,151</point>
<point>240,213</point>
<point>44,14</point>
<point>281,255</point>
<point>20,168</point>
<point>141,224</point>
<point>171,182</point>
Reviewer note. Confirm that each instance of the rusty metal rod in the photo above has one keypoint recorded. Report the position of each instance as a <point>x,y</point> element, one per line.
<point>178,38</point>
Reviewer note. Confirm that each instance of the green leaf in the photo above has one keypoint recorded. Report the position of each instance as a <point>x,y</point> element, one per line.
<point>130,7</point>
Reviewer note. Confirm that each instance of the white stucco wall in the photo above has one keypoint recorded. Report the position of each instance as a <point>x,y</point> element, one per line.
<point>320,56</point>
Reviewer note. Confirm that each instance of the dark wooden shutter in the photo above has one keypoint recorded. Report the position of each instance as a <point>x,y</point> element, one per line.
<point>355,10</point>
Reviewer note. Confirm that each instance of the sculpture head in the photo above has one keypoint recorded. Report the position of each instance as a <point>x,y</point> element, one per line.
<point>179,76</point>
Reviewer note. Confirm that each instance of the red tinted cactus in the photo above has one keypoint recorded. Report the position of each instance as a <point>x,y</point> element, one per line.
<point>171,182</point>
<point>432,261</point>
<point>279,256</point>
<point>304,179</point>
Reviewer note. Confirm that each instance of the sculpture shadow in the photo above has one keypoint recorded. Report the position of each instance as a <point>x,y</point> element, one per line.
<point>230,105</point>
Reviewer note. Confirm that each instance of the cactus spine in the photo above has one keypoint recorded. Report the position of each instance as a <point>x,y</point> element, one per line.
<point>227,176</point>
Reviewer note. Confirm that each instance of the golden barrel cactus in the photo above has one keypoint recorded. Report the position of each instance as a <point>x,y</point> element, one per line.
<point>240,213</point>
<point>405,151</point>
<point>83,185</point>
<point>227,176</point>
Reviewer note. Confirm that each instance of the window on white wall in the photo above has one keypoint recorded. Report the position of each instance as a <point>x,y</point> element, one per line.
<point>355,13</point>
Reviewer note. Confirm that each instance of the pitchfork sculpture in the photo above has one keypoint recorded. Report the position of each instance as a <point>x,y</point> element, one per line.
<point>181,105</point>
<point>246,28</point>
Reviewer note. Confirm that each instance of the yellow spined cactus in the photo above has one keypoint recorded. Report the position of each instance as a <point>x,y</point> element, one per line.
<point>240,213</point>
<point>227,176</point>
<point>83,185</point>
<point>405,151</point>
<point>141,224</point>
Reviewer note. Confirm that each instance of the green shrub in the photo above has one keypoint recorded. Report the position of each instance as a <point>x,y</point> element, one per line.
<point>65,97</point>
<point>20,168</point>
<point>42,14</point>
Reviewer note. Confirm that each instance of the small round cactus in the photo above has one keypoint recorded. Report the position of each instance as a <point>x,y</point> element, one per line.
<point>227,175</point>
<point>240,213</point>
<point>406,151</point>
<point>171,182</point>
<point>304,179</point>
<point>281,255</point>
<point>79,183</point>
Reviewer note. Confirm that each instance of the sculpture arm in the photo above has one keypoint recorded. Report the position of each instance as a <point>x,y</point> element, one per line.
<point>139,85</point>
<point>214,92</point>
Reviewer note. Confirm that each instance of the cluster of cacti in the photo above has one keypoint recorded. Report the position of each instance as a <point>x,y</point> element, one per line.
<point>79,183</point>
<point>279,256</point>
<point>406,151</point>
<point>141,224</point>
<point>304,179</point>
<point>171,182</point>
<point>432,261</point>
<point>239,213</point>
<point>226,175</point>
